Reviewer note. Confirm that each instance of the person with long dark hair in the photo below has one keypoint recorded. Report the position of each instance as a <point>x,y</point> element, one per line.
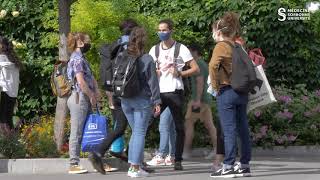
<point>10,66</point>
<point>139,109</point>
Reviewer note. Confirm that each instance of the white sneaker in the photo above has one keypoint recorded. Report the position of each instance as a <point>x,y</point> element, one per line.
<point>210,155</point>
<point>157,161</point>
<point>169,161</point>
<point>137,174</point>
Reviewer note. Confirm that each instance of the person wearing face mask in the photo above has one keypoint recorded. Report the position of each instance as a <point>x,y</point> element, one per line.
<point>84,95</point>
<point>231,104</point>
<point>169,70</point>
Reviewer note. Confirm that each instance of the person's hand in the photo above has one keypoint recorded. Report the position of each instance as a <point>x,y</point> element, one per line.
<point>157,110</point>
<point>196,104</point>
<point>110,100</point>
<point>93,101</point>
<point>174,71</point>
<point>158,72</point>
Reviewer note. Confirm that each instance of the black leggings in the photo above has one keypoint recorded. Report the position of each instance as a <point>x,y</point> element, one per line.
<point>6,109</point>
<point>120,118</point>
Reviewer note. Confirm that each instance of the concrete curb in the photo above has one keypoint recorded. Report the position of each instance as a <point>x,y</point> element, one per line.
<point>51,166</point>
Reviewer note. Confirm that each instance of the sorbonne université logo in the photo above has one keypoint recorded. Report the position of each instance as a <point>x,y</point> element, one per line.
<point>293,14</point>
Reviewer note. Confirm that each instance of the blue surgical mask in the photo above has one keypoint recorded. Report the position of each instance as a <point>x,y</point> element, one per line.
<point>163,36</point>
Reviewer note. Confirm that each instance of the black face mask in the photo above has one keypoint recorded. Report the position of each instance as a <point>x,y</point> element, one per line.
<point>86,47</point>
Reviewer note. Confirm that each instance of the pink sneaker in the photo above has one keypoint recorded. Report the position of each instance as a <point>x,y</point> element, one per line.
<point>169,160</point>
<point>157,161</point>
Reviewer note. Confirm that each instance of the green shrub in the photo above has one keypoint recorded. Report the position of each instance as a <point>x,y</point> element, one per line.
<point>11,146</point>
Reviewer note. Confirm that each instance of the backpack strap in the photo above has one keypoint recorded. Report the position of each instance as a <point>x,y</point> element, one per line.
<point>157,54</point>
<point>177,50</point>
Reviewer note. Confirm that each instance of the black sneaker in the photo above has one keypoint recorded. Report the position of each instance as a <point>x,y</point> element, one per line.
<point>96,162</point>
<point>224,173</point>
<point>243,172</point>
<point>146,168</point>
<point>178,166</point>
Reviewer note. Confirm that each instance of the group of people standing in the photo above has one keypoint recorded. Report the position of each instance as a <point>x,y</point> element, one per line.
<point>161,74</point>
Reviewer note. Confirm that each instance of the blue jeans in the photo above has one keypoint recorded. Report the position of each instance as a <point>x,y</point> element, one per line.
<point>138,111</point>
<point>232,110</point>
<point>167,134</point>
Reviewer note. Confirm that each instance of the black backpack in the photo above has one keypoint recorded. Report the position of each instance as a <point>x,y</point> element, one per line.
<point>108,54</point>
<point>186,80</point>
<point>125,81</point>
<point>243,76</point>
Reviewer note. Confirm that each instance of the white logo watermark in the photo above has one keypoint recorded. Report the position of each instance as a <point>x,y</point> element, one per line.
<point>293,14</point>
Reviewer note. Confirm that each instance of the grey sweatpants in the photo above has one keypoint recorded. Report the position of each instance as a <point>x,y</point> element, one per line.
<point>78,112</point>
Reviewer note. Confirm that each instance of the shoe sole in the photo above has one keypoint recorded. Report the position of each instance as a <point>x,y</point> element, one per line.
<point>225,176</point>
<point>244,175</point>
<point>163,164</point>
<point>78,172</point>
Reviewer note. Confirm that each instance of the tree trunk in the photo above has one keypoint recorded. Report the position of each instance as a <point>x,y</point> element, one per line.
<point>61,107</point>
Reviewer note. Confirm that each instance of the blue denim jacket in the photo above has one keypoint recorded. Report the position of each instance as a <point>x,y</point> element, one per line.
<point>148,79</point>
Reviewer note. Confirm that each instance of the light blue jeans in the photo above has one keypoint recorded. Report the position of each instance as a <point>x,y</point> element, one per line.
<point>138,111</point>
<point>167,131</point>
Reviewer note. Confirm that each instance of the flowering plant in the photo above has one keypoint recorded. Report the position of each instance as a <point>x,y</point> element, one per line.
<point>293,120</point>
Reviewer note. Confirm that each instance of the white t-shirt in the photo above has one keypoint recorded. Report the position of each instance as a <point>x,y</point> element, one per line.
<point>167,82</point>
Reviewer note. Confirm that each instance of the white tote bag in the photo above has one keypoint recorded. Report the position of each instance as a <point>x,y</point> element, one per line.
<point>263,94</point>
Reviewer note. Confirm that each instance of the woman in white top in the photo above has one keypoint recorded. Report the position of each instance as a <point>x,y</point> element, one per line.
<point>9,83</point>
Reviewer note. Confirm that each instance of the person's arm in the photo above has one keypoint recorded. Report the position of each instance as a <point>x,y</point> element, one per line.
<point>214,64</point>
<point>200,85</point>
<point>153,82</point>
<point>85,88</point>
<point>194,69</point>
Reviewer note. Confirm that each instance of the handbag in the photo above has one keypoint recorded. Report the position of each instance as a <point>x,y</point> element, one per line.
<point>95,131</point>
<point>262,94</point>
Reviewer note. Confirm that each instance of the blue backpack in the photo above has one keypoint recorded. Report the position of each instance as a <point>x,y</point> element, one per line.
<point>95,131</point>
<point>118,144</point>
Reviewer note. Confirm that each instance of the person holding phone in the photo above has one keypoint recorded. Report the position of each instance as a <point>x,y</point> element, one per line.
<point>199,106</point>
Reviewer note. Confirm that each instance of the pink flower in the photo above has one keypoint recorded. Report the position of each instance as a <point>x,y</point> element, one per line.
<point>305,98</point>
<point>285,114</point>
<point>291,138</point>
<point>263,130</point>
<point>280,140</point>
<point>317,92</point>
<point>257,114</point>
<point>285,99</point>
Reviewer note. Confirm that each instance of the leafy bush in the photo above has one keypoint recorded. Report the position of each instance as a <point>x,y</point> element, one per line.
<point>39,139</point>
<point>11,146</point>
<point>291,57</point>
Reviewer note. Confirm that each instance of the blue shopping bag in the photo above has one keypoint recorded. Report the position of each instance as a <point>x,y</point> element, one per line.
<point>118,144</point>
<point>95,131</point>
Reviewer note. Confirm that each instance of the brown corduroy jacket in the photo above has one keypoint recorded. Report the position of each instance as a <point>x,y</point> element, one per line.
<point>220,66</point>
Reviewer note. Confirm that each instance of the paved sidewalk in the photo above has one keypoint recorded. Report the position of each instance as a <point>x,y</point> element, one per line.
<point>263,168</point>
